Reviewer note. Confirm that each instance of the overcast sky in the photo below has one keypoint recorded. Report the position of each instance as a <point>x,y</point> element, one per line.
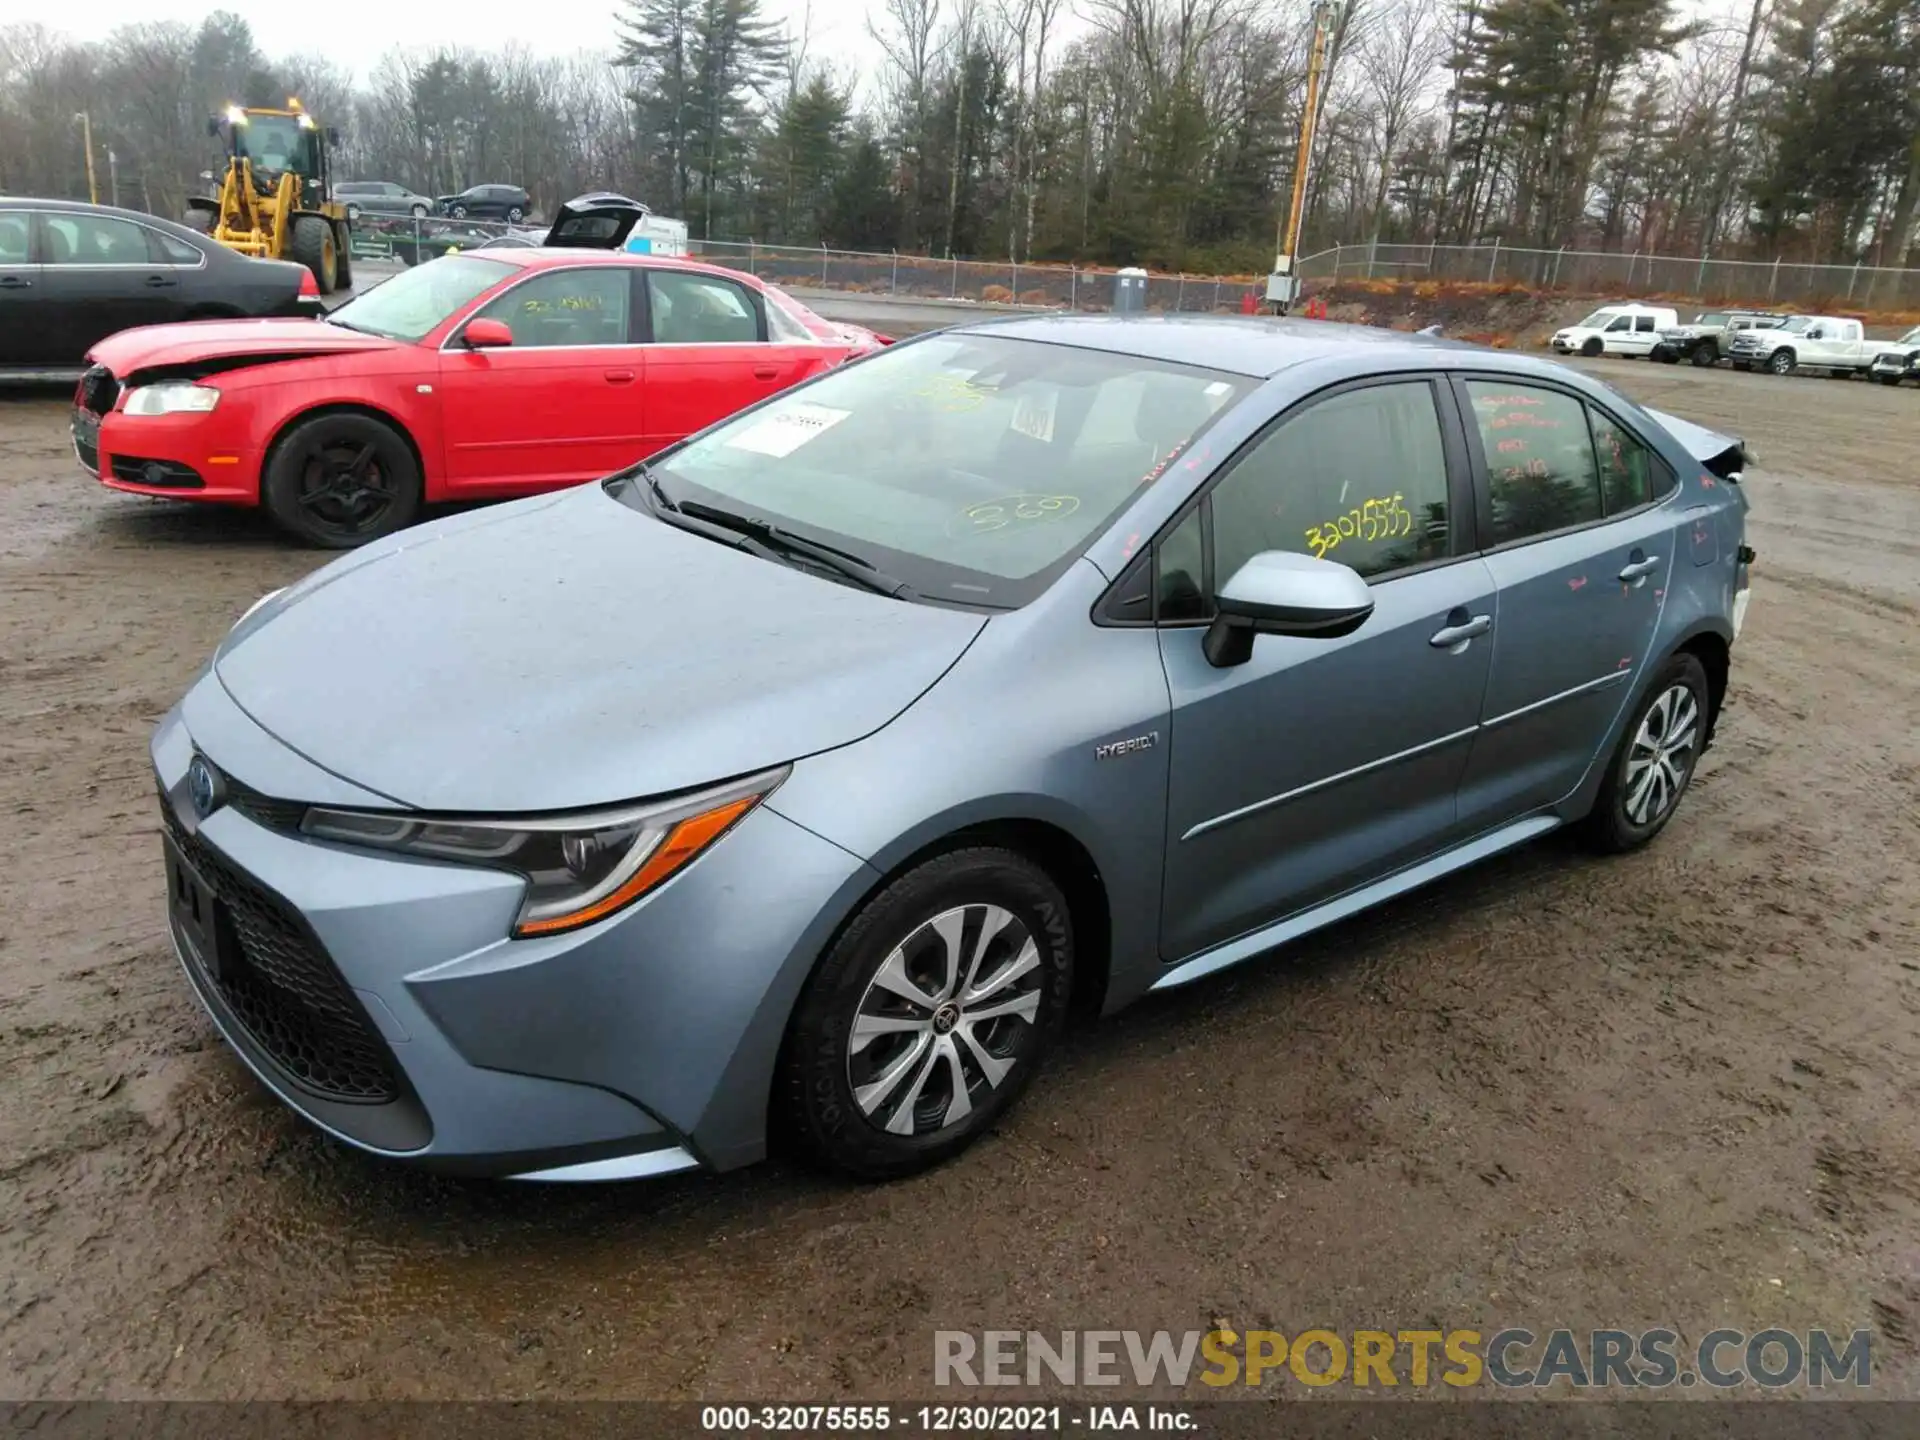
<point>359,32</point>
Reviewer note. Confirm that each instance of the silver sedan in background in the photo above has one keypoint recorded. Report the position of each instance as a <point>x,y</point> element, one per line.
<point>793,787</point>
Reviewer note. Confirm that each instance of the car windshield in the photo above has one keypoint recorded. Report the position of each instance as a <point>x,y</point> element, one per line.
<point>1797,324</point>
<point>412,303</point>
<point>1598,320</point>
<point>1712,317</point>
<point>972,467</point>
<point>1912,337</point>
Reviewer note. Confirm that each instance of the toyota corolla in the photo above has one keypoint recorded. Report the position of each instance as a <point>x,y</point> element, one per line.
<point>791,788</point>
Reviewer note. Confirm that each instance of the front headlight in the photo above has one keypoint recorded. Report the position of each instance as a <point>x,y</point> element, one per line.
<point>579,868</point>
<point>171,397</point>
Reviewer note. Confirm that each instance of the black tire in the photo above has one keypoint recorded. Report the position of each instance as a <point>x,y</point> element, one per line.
<point>1782,361</point>
<point>1705,355</point>
<point>338,480</point>
<point>1592,347</point>
<point>1619,822</point>
<point>1742,365</point>
<point>314,246</point>
<point>1667,357</point>
<point>818,1110</point>
<point>343,266</point>
<point>419,212</point>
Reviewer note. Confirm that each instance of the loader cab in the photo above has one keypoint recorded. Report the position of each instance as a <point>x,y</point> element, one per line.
<point>276,143</point>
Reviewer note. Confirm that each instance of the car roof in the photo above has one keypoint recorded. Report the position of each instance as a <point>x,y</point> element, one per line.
<point>81,207</point>
<point>1255,346</point>
<point>543,257</point>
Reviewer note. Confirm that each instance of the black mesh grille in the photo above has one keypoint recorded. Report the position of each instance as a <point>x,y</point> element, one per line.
<point>284,815</point>
<point>98,390</point>
<point>285,991</point>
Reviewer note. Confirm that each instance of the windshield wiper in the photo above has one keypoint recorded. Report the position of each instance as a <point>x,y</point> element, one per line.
<point>842,562</point>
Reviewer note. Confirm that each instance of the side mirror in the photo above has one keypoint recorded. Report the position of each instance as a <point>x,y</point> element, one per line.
<point>486,335</point>
<point>1280,593</point>
<point>1816,333</point>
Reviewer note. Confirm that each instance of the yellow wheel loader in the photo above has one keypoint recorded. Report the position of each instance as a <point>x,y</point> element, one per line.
<point>276,197</point>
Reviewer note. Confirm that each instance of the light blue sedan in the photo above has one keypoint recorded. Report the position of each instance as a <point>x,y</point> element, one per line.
<point>794,787</point>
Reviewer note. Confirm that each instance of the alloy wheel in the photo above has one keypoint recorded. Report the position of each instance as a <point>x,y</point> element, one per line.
<point>344,487</point>
<point>946,1019</point>
<point>1662,756</point>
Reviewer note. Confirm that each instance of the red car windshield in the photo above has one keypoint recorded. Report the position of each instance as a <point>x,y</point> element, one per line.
<point>411,304</point>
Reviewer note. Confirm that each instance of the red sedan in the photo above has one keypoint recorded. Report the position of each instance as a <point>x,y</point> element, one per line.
<point>476,376</point>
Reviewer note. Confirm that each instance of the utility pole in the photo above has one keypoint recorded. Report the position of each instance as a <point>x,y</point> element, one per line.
<point>113,177</point>
<point>86,138</point>
<point>1283,286</point>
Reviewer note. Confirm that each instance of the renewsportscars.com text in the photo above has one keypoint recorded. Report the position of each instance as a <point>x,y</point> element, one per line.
<point>1376,1359</point>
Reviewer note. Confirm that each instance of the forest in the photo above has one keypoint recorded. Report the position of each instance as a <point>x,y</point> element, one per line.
<point>1156,132</point>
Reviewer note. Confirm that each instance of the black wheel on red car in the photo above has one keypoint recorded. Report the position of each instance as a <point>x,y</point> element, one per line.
<point>340,480</point>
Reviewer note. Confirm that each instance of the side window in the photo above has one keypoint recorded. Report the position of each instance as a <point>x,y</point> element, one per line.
<point>1625,322</point>
<point>1179,574</point>
<point>1360,478</point>
<point>93,240</point>
<point>691,309</point>
<point>13,239</point>
<point>566,307</point>
<point>1540,468</point>
<point>169,250</point>
<point>1630,474</point>
<point>1643,323</point>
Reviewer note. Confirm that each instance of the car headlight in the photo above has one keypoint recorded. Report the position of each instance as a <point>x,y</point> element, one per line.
<point>580,867</point>
<point>171,397</point>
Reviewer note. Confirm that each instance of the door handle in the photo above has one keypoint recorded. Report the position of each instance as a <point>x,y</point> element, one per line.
<point>160,282</point>
<point>619,377</point>
<point>1638,570</point>
<point>1455,637</point>
<point>14,282</point>
<point>766,372</point>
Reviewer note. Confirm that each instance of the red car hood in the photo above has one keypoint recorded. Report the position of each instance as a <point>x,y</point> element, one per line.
<point>154,346</point>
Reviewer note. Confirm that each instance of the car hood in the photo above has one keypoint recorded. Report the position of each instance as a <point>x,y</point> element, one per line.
<point>152,347</point>
<point>572,651</point>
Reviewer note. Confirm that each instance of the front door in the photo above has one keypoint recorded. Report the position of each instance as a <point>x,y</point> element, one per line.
<point>1581,548</point>
<point>20,292</point>
<point>710,354</point>
<point>99,276</point>
<point>1320,764</point>
<point>564,403</point>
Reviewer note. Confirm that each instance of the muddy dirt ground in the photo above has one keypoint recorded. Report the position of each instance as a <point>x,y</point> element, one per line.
<point>1678,1087</point>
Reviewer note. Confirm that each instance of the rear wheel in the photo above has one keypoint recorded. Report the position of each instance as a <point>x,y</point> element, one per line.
<point>340,480</point>
<point>929,1016</point>
<point>314,246</point>
<point>1655,761</point>
<point>1705,355</point>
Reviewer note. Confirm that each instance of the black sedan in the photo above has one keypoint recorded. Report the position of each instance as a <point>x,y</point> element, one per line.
<point>488,202</point>
<point>73,274</point>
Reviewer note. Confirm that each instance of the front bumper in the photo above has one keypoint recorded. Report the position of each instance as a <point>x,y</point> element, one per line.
<point>178,457</point>
<point>642,1045</point>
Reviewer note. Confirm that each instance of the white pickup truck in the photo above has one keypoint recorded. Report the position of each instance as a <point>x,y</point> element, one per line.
<point>1808,342</point>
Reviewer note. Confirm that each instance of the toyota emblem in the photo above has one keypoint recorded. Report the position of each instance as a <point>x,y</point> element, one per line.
<point>203,784</point>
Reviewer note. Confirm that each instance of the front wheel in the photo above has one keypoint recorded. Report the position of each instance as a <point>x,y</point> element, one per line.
<point>1592,348</point>
<point>1782,362</point>
<point>1655,761</point>
<point>337,481</point>
<point>1705,355</point>
<point>929,1016</point>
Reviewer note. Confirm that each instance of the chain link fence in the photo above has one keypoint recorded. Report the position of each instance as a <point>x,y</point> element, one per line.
<point>1593,272</point>
<point>381,246</point>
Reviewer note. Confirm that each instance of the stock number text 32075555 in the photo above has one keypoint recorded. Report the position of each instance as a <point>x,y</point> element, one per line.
<point>1384,517</point>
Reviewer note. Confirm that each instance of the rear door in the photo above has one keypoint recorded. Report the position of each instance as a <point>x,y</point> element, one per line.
<point>711,353</point>
<point>20,293</point>
<point>564,403</point>
<point>1580,541</point>
<point>98,277</point>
